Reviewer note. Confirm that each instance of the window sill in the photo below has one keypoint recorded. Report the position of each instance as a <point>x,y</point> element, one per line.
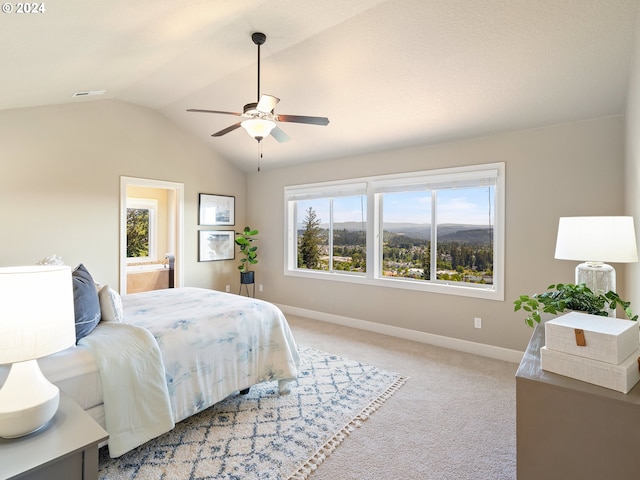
<point>444,288</point>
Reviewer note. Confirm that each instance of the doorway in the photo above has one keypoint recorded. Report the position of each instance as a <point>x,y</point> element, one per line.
<point>151,234</point>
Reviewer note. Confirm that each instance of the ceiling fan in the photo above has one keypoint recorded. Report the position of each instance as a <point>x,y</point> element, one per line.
<point>260,116</point>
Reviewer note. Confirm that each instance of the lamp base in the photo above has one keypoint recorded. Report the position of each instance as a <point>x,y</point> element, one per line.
<point>599,277</point>
<point>27,400</point>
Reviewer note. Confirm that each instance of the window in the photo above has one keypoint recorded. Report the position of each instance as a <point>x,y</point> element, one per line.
<point>329,229</point>
<point>438,231</point>
<point>141,230</point>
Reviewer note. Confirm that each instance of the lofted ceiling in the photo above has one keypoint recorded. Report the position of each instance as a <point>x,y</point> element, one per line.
<point>387,73</point>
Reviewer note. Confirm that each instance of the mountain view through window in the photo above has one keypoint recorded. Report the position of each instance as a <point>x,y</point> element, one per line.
<point>332,234</point>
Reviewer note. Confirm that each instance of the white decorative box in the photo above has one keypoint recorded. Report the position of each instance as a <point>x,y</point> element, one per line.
<point>616,377</point>
<point>605,339</point>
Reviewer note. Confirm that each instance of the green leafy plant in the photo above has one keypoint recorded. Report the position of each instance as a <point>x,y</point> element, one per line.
<point>562,297</point>
<point>248,252</point>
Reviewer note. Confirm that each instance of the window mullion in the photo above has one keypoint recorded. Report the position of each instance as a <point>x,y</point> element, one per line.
<point>434,235</point>
<point>374,235</point>
<point>331,234</point>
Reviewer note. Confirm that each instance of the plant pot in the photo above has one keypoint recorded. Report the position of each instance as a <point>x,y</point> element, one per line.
<point>247,278</point>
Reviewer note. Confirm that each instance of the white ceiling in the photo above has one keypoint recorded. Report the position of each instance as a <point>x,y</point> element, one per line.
<point>387,73</point>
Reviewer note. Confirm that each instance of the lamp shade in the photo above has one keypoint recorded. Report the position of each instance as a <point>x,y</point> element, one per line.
<point>597,239</point>
<point>36,312</point>
<point>258,128</point>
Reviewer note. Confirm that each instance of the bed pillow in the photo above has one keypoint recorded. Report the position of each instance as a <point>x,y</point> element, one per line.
<point>85,302</point>
<point>110,304</point>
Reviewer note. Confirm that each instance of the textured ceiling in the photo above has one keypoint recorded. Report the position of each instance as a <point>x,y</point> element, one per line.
<point>387,73</point>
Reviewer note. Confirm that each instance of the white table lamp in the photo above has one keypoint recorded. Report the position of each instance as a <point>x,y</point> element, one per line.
<point>36,320</point>
<point>593,241</point>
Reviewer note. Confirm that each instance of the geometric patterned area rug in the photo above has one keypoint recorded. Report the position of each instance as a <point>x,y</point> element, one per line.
<point>264,435</point>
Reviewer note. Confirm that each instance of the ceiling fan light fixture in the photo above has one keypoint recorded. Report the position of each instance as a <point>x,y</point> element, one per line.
<point>258,128</point>
<point>261,118</point>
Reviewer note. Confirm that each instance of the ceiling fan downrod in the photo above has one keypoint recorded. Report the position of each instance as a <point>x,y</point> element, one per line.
<point>258,38</point>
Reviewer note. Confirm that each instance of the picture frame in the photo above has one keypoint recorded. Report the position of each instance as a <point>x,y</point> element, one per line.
<point>216,245</point>
<point>216,209</point>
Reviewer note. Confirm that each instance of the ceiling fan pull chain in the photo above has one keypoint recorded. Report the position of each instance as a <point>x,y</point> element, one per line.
<point>260,157</point>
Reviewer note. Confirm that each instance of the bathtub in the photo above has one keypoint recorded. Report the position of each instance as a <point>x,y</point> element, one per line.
<point>146,267</point>
<point>154,276</point>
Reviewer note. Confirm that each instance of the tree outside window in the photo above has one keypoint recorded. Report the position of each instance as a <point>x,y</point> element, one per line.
<point>137,232</point>
<point>310,241</point>
<point>141,229</point>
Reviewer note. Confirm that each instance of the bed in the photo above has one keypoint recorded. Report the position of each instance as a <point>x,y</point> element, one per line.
<point>169,354</point>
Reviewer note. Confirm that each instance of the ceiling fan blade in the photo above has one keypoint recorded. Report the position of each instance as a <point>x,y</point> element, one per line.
<point>213,111</point>
<point>227,130</point>
<point>267,103</point>
<point>279,135</point>
<point>303,119</point>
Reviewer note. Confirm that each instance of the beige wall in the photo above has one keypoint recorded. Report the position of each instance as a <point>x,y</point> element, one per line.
<point>565,170</point>
<point>60,169</point>
<point>632,168</point>
<point>59,193</point>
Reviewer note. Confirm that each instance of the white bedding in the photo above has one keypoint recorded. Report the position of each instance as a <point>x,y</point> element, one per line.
<point>75,372</point>
<point>136,399</point>
<point>212,345</point>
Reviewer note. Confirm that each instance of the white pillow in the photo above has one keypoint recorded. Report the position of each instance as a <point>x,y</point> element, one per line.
<point>110,304</point>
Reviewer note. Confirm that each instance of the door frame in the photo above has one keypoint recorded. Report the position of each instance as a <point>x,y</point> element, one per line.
<point>176,190</point>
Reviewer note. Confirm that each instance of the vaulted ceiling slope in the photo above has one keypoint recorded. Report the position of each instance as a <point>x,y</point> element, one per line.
<point>387,73</point>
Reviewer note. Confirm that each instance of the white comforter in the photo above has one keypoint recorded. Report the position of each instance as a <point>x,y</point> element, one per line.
<point>212,344</point>
<point>135,394</point>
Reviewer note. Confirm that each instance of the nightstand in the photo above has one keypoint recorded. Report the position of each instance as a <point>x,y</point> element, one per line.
<point>570,429</point>
<point>65,449</point>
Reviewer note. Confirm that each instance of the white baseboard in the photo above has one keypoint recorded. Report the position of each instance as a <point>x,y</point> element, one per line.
<point>438,340</point>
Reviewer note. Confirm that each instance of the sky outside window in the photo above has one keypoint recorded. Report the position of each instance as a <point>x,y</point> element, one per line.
<point>466,206</point>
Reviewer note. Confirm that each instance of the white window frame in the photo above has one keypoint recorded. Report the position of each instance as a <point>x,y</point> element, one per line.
<point>373,186</point>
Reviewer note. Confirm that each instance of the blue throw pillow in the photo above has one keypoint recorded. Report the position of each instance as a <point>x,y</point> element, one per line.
<point>85,301</point>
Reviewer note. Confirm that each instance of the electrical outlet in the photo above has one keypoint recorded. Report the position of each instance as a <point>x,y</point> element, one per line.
<point>260,288</point>
<point>228,288</point>
<point>477,322</point>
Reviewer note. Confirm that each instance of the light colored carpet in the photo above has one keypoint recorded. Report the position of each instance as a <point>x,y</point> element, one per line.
<point>453,419</point>
<point>265,435</point>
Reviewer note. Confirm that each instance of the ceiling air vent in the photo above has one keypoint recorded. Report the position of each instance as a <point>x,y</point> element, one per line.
<point>89,93</point>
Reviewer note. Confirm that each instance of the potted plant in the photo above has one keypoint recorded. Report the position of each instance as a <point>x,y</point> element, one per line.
<point>563,297</point>
<point>248,253</point>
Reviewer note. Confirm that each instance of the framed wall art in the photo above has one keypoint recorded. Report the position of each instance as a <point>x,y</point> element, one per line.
<point>216,245</point>
<point>216,209</point>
